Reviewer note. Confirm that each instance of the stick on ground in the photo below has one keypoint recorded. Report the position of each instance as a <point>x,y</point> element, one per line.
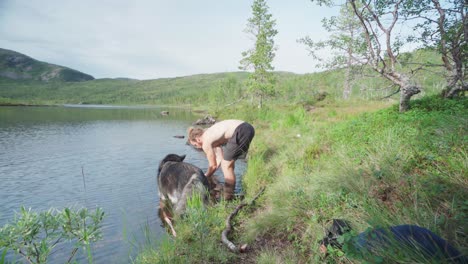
<point>228,228</point>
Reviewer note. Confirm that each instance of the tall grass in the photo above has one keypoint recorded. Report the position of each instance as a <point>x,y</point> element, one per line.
<point>198,232</point>
<point>377,169</point>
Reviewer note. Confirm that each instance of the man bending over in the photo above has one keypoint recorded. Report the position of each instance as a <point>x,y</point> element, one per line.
<point>236,134</point>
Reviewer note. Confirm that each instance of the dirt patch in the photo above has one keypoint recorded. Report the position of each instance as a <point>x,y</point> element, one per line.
<point>266,242</point>
<point>390,195</point>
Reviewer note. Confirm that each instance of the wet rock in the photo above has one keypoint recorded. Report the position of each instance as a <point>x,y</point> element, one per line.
<point>207,120</point>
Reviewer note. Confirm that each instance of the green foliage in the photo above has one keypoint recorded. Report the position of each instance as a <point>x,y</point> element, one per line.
<point>217,92</point>
<point>190,90</point>
<point>262,27</point>
<point>443,26</point>
<point>34,235</point>
<point>197,241</point>
<point>377,169</point>
<point>346,40</point>
<point>296,118</point>
<point>226,91</point>
<point>3,257</point>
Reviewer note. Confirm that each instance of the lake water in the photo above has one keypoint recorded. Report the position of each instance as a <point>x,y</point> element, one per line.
<point>45,151</point>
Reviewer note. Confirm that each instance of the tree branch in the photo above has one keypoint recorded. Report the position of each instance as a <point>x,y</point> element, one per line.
<point>443,35</point>
<point>240,99</point>
<point>228,228</point>
<point>392,94</point>
<point>72,254</point>
<point>367,34</point>
<point>25,256</point>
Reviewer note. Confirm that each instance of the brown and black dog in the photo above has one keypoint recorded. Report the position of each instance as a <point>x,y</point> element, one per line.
<point>178,181</point>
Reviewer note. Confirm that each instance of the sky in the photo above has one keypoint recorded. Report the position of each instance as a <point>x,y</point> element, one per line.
<point>150,39</point>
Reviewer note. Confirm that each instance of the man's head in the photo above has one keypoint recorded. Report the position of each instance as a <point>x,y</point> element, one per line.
<point>194,136</point>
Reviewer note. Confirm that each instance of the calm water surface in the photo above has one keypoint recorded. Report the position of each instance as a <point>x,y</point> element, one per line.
<point>44,152</point>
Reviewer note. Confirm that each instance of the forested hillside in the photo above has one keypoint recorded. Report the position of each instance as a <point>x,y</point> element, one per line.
<point>17,66</point>
<point>217,89</point>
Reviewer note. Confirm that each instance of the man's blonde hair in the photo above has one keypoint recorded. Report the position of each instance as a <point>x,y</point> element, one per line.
<point>194,132</point>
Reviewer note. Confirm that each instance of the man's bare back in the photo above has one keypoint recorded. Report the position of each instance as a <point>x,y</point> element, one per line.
<point>220,133</point>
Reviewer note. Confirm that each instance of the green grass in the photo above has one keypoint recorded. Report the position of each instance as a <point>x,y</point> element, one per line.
<point>175,91</point>
<point>364,162</point>
<point>376,169</point>
<point>359,159</point>
<point>198,232</point>
<point>215,91</point>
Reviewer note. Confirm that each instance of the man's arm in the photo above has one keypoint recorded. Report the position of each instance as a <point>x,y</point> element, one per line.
<point>211,156</point>
<point>219,156</point>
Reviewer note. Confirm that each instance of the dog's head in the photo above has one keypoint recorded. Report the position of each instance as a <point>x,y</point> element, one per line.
<point>170,157</point>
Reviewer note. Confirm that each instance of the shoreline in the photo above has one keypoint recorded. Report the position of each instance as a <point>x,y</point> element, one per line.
<point>98,105</point>
<point>26,105</point>
<point>194,110</point>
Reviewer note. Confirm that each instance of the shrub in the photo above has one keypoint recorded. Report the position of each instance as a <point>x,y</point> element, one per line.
<point>33,235</point>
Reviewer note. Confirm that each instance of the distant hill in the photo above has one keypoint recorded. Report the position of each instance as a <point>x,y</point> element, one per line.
<point>17,66</point>
<point>218,89</point>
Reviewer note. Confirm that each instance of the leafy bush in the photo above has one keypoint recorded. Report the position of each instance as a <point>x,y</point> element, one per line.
<point>197,241</point>
<point>34,235</point>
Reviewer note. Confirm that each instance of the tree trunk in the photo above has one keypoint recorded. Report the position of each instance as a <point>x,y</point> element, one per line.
<point>456,85</point>
<point>347,85</point>
<point>454,91</point>
<point>349,63</point>
<point>407,91</point>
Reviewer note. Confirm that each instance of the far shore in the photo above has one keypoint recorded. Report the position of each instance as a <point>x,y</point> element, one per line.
<point>98,105</point>
<point>24,104</point>
<point>195,110</point>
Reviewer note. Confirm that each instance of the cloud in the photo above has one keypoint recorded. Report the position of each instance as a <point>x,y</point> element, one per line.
<point>148,38</point>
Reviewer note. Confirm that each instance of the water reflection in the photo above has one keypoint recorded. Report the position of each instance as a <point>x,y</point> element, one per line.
<point>46,151</point>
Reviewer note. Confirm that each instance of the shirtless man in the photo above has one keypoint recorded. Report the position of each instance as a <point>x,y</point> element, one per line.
<point>236,134</point>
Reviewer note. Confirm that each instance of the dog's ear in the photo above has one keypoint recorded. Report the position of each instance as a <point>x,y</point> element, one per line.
<point>173,157</point>
<point>160,167</point>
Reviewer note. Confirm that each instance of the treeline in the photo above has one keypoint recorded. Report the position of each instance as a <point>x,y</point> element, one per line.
<point>217,90</point>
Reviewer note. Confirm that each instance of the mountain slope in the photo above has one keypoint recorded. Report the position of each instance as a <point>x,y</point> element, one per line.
<point>17,66</point>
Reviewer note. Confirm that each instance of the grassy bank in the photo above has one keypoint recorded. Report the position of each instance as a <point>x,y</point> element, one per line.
<point>359,160</point>
<point>364,162</point>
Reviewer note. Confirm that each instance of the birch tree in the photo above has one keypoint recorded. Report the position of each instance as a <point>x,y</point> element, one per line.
<point>377,19</point>
<point>345,42</point>
<point>443,25</point>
